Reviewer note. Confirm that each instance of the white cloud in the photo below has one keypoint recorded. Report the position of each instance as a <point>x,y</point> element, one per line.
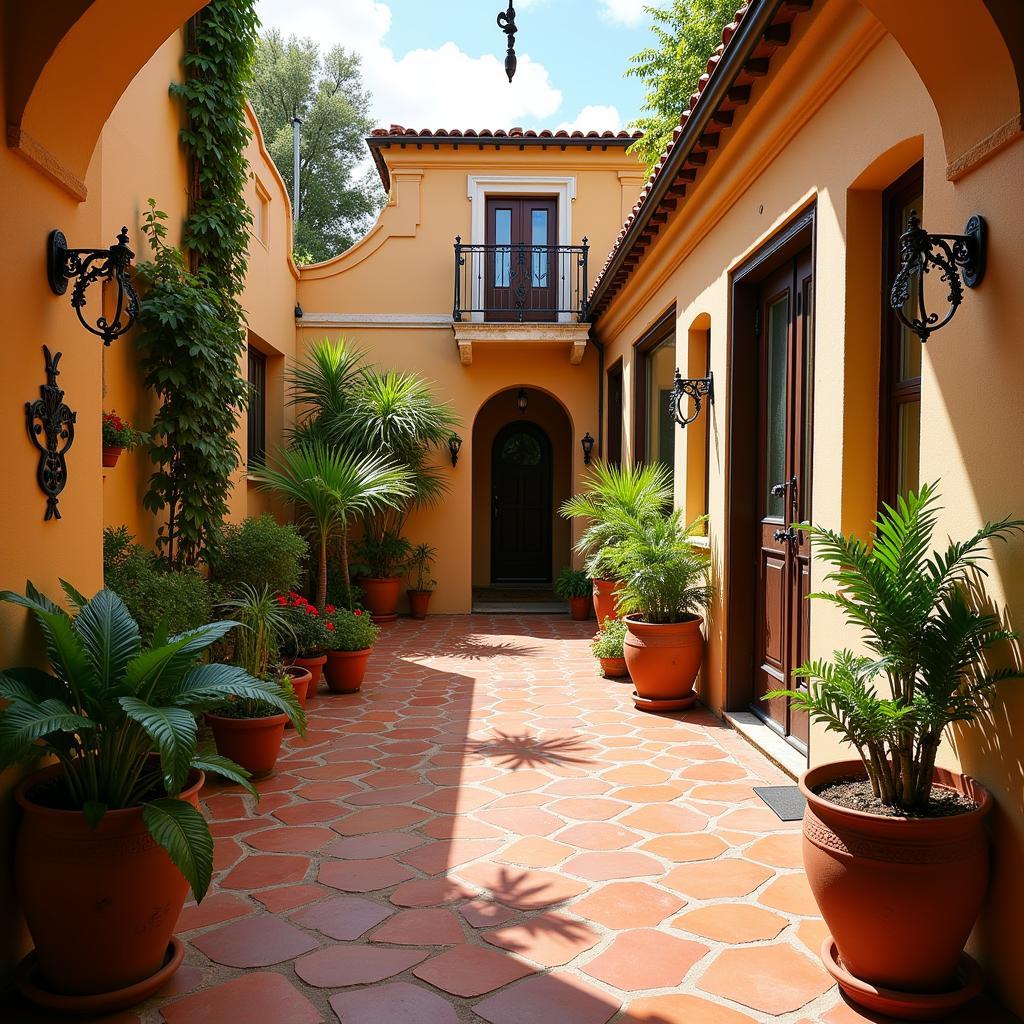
<point>594,118</point>
<point>625,12</point>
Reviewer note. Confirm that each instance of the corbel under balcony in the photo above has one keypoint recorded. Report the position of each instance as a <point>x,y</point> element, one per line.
<point>573,336</point>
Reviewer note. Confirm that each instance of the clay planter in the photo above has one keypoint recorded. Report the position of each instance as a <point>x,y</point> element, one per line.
<point>345,670</point>
<point>614,668</point>
<point>110,456</point>
<point>899,895</point>
<point>314,666</point>
<point>101,903</point>
<point>663,661</point>
<point>419,601</point>
<point>381,597</point>
<point>606,596</point>
<point>579,608</point>
<point>301,680</point>
<point>254,743</point>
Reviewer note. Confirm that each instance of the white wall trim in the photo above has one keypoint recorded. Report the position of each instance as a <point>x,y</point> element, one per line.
<point>334,321</point>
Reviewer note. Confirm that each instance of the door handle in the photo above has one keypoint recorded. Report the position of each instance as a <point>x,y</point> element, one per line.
<point>779,490</point>
<point>785,535</point>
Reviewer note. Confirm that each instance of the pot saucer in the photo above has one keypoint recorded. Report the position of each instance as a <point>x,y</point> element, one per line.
<point>905,1005</point>
<point>383,620</point>
<point>99,1002</point>
<point>676,704</point>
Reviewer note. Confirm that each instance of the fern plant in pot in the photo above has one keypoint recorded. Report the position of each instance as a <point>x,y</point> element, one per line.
<point>574,586</point>
<point>111,837</point>
<point>894,847</point>
<point>665,586</point>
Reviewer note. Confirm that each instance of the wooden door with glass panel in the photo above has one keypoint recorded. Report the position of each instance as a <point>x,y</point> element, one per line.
<point>521,270</point>
<point>786,354</point>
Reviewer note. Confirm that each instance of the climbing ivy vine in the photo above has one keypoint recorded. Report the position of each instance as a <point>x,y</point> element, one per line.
<point>193,330</point>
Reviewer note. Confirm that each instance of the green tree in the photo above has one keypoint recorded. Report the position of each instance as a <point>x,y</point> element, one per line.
<point>686,33</point>
<point>294,79</point>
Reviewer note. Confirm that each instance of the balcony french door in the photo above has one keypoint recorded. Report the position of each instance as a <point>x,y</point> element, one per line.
<point>521,271</point>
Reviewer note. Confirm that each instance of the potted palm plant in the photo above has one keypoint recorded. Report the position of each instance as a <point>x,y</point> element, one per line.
<point>421,562</point>
<point>608,647</point>
<point>665,586</point>
<point>111,836</point>
<point>574,586</point>
<point>382,560</point>
<point>894,847</point>
<point>352,636</point>
<point>637,492</point>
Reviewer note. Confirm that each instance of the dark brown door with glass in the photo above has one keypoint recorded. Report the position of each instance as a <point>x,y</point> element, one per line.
<point>521,270</point>
<point>786,351</point>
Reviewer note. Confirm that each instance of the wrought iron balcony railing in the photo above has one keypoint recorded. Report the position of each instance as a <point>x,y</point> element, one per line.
<point>519,282</point>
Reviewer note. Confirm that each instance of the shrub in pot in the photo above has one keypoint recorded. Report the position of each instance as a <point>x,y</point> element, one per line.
<point>894,848</point>
<point>258,552</point>
<point>574,586</point>
<point>665,585</point>
<point>421,562</point>
<point>608,648</point>
<point>353,635</point>
<point>381,561</point>
<point>305,641</point>
<point>614,494</point>
<point>111,836</point>
<point>118,436</point>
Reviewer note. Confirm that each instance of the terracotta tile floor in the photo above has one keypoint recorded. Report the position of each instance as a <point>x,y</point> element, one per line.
<point>491,832</point>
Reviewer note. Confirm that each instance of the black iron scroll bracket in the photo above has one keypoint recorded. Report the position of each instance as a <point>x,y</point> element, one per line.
<point>51,429</point>
<point>694,388</point>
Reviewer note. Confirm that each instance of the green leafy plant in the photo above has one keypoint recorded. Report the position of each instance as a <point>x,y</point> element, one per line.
<point>259,552</point>
<point>420,565</point>
<point>384,556</point>
<point>120,717</point>
<point>572,583</point>
<point>119,433</point>
<point>923,620</point>
<point>351,631</point>
<point>639,492</point>
<point>609,641</point>
<point>664,577</point>
<point>306,635</point>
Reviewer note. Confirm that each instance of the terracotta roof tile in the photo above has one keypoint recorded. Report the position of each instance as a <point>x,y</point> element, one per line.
<point>400,131</point>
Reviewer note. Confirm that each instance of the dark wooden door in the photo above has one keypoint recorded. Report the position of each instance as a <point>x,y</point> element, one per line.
<point>521,504</point>
<point>521,272</point>
<point>786,347</point>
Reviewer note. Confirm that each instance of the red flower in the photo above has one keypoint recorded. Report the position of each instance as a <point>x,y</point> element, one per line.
<point>331,609</point>
<point>330,626</point>
<point>358,612</point>
<point>282,600</point>
<point>310,610</point>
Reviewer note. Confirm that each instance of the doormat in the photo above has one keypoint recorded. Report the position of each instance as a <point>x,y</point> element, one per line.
<point>787,802</point>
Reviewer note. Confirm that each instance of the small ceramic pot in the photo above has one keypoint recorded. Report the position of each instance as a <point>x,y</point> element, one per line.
<point>345,670</point>
<point>579,608</point>
<point>614,668</point>
<point>111,453</point>
<point>301,680</point>
<point>315,668</point>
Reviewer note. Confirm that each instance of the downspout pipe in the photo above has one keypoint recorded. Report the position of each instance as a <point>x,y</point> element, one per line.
<point>296,192</point>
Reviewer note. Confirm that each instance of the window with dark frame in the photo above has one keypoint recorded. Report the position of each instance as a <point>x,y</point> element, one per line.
<point>256,453</point>
<point>900,364</point>
<point>655,364</point>
<point>615,424</point>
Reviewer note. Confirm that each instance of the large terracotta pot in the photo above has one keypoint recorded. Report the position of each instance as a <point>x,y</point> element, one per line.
<point>606,596</point>
<point>345,670</point>
<point>111,453</point>
<point>315,668</point>
<point>254,743</point>
<point>419,601</point>
<point>101,903</point>
<point>579,608</point>
<point>899,895</point>
<point>663,659</point>
<point>381,596</point>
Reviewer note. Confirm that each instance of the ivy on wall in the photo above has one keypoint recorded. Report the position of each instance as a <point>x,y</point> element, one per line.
<point>193,330</point>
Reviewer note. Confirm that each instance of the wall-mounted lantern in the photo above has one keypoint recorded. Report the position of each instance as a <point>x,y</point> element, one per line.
<point>695,388</point>
<point>957,258</point>
<point>507,24</point>
<point>454,444</point>
<point>522,400</point>
<point>587,444</point>
<point>85,267</point>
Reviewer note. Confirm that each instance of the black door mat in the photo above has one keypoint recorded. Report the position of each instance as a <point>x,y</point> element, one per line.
<point>787,802</point>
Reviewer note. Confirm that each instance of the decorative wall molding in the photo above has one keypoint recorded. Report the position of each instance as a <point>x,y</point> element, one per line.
<point>573,335</point>
<point>334,321</point>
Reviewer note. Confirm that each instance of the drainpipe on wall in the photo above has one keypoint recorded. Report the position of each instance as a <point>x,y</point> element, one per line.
<point>296,124</point>
<point>600,392</point>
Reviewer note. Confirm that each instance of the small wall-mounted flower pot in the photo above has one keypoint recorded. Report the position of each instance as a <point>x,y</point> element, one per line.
<point>614,668</point>
<point>579,608</point>
<point>110,456</point>
<point>314,666</point>
<point>381,596</point>
<point>254,743</point>
<point>345,670</point>
<point>419,601</point>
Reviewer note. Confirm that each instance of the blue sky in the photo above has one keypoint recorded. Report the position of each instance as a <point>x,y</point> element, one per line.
<point>439,63</point>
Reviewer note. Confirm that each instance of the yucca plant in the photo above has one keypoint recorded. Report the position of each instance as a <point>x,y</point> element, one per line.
<point>320,387</point>
<point>263,626</point>
<point>639,492</point>
<point>664,576</point>
<point>120,717</point>
<point>927,632</point>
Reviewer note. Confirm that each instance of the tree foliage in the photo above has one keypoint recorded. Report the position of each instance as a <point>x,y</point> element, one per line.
<point>686,33</point>
<point>293,78</point>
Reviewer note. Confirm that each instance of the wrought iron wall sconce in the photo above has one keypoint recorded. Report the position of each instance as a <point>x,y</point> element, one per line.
<point>522,400</point>
<point>695,388</point>
<point>959,259</point>
<point>85,267</point>
<point>454,444</point>
<point>51,428</point>
<point>587,444</point>
<point>507,24</point>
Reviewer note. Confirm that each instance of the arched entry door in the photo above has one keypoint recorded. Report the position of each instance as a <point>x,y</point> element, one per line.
<point>521,504</point>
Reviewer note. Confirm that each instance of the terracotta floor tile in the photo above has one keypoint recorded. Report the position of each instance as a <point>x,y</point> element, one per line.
<point>713,772</point>
<point>588,808</point>
<point>662,819</point>
<point>623,905</point>
<point>651,794</point>
<point>600,867</point>
<point>373,844</point>
<point>310,811</point>
<point>812,934</point>
<point>344,917</point>
<point>535,852</point>
<point>364,875</point>
<point>550,939</point>
<point>469,971</point>
<point>337,966</point>
<point>379,819</point>
<point>717,878</point>
<point>578,787</point>
<point>597,836</point>
<point>520,781</point>
<point>254,942</point>
<point>636,775</point>
<point>215,909</point>
<point>397,1002</point>
<point>527,821</point>
<point>260,872</point>
<point>288,897</point>
<point>731,922</point>
<point>423,927</point>
<point>645,959</point>
<point>791,894</point>
<point>456,826</point>
<point>482,913</point>
<point>754,819</point>
<point>774,979</point>
<point>680,1009</point>
<point>290,839</point>
<point>257,998</point>
<point>683,848</point>
<point>525,889</point>
<point>443,854</point>
<point>782,850</point>
<point>429,892</point>
<point>326,790</point>
<point>397,795</point>
<point>456,800</point>
<point>548,998</point>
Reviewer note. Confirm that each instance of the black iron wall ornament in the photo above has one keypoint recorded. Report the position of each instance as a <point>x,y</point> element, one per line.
<point>587,444</point>
<point>454,444</point>
<point>956,257</point>
<point>87,266</point>
<point>507,24</point>
<point>695,388</point>
<point>51,428</point>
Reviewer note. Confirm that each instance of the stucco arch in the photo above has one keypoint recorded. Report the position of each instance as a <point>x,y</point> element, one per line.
<point>963,50</point>
<point>67,66</point>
